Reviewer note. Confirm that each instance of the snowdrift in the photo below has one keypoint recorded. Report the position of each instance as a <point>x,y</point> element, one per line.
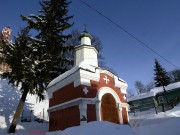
<point>96,128</point>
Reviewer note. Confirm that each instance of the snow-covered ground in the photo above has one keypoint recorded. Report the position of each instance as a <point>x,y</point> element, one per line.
<point>144,123</point>
<point>164,123</point>
<point>96,128</point>
<point>9,99</point>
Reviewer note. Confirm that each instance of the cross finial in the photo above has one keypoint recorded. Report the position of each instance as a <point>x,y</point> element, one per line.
<point>85,27</point>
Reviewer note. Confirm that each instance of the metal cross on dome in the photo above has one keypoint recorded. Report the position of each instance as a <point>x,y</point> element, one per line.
<point>85,27</point>
<point>106,79</point>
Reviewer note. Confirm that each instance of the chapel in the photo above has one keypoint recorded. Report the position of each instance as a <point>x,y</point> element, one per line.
<point>86,92</point>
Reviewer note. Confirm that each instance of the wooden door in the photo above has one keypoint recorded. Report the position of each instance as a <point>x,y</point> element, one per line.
<point>109,111</point>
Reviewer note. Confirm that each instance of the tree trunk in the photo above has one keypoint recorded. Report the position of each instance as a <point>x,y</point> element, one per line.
<point>18,111</point>
<point>165,93</point>
<point>163,107</point>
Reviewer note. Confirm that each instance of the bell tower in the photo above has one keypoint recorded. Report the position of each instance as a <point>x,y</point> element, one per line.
<point>85,51</point>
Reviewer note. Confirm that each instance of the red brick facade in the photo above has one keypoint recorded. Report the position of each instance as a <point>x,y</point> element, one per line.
<point>68,92</point>
<point>70,116</point>
<point>91,113</point>
<point>61,119</point>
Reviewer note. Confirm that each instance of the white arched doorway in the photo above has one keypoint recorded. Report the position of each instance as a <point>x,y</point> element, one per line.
<point>107,108</point>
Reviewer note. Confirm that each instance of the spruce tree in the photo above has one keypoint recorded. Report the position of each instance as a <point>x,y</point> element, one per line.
<point>161,79</point>
<point>50,24</point>
<point>35,61</point>
<point>18,57</point>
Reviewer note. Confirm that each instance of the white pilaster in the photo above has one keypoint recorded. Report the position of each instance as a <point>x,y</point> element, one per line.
<point>83,113</point>
<point>127,114</point>
<point>98,111</point>
<point>120,113</point>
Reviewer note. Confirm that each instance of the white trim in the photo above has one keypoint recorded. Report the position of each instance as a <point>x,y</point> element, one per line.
<point>82,81</point>
<point>85,77</point>
<point>120,115</point>
<point>104,71</point>
<point>79,77</point>
<point>127,114</point>
<point>73,102</point>
<point>94,76</point>
<point>123,91</point>
<point>124,105</point>
<point>105,90</point>
<point>62,83</point>
<point>102,91</point>
<point>120,84</point>
<point>83,112</point>
<point>98,111</point>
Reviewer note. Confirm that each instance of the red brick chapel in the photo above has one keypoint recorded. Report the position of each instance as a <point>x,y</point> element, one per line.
<point>86,92</point>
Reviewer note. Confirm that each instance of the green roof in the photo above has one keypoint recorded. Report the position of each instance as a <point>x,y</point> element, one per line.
<point>85,34</point>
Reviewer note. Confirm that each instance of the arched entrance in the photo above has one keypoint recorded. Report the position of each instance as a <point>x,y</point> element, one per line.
<point>109,111</point>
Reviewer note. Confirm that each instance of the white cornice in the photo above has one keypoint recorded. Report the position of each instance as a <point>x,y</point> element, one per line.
<point>120,84</point>
<point>78,101</point>
<point>73,102</point>
<point>106,72</point>
<point>83,76</point>
<point>118,81</point>
<point>79,77</point>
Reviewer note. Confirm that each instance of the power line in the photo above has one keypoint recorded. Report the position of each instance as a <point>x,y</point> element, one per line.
<point>130,34</point>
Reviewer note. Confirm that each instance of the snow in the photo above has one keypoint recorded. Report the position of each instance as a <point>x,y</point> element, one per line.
<point>141,96</point>
<point>164,127</point>
<point>96,128</point>
<point>164,123</point>
<point>9,99</point>
<point>83,65</point>
<point>154,91</point>
<point>144,123</point>
<point>168,87</point>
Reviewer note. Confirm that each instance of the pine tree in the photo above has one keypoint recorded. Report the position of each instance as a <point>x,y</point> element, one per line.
<point>36,61</point>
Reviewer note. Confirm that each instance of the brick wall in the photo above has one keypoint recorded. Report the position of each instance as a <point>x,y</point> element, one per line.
<point>61,119</point>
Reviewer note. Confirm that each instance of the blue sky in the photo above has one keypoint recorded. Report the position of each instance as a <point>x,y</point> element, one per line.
<point>155,22</point>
